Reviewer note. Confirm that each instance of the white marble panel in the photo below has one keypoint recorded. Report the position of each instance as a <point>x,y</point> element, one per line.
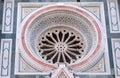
<point>116,55</point>
<point>7,25</point>
<point>5,58</point>
<point>113,16</point>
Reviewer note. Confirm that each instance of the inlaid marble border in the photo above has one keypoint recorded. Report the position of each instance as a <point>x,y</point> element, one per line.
<point>5,58</point>
<point>116,55</point>
<point>113,16</point>
<point>7,25</point>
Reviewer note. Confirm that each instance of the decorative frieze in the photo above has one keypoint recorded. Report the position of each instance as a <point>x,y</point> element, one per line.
<point>113,13</point>
<point>7,26</point>
<point>5,58</point>
<point>116,55</point>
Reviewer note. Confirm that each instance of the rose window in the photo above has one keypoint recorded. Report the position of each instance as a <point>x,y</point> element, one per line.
<point>61,45</point>
<point>61,34</point>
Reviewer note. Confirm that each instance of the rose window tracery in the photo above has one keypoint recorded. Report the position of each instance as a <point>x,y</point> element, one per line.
<point>61,44</point>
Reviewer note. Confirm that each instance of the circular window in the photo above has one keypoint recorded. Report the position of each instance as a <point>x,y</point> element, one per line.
<point>61,34</point>
<point>61,44</point>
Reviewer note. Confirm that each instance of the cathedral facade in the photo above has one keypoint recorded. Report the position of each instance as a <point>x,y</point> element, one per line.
<point>60,39</point>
